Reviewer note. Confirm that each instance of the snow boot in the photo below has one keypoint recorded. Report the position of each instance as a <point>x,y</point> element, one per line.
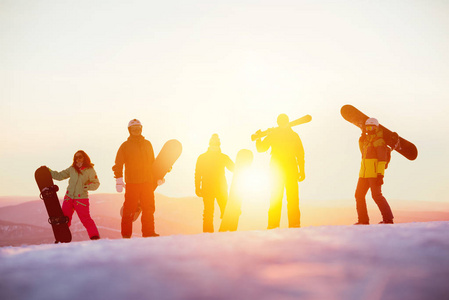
<point>153,234</point>
<point>387,222</point>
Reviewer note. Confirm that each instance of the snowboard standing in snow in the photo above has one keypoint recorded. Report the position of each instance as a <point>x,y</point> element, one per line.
<point>58,221</point>
<point>233,211</point>
<point>392,139</point>
<point>260,134</point>
<point>163,163</point>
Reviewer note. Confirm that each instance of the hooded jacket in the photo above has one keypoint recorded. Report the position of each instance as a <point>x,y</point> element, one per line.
<point>210,172</point>
<point>374,155</point>
<point>137,155</point>
<point>79,183</point>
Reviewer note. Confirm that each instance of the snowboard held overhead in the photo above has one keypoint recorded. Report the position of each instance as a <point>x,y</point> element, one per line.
<point>392,139</point>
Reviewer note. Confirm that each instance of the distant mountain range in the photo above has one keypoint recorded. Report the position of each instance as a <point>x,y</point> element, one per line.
<point>26,223</point>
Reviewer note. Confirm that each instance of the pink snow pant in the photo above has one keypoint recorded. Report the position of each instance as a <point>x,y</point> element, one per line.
<point>81,206</point>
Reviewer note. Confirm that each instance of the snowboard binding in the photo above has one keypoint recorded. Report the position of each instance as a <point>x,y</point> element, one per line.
<point>48,191</point>
<point>396,141</point>
<point>58,220</point>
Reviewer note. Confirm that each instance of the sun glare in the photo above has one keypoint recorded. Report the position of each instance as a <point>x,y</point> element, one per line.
<point>255,184</point>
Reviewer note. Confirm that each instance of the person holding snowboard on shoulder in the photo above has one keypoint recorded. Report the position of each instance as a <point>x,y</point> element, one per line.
<point>374,162</point>
<point>83,178</point>
<point>210,181</point>
<point>137,156</point>
<point>287,167</point>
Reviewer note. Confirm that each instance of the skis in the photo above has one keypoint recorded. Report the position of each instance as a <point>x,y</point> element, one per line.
<point>260,134</point>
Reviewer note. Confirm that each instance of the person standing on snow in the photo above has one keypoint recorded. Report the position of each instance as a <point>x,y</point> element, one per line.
<point>287,165</point>
<point>137,156</point>
<point>374,162</point>
<point>83,178</point>
<point>210,181</point>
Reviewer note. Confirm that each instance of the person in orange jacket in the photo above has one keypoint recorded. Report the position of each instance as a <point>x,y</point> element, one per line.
<point>210,181</point>
<point>287,165</point>
<point>374,161</point>
<point>137,155</point>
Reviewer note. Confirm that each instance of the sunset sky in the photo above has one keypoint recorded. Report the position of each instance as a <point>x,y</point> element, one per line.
<point>73,73</point>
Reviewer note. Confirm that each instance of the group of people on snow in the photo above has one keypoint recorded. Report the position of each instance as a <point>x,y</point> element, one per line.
<point>136,157</point>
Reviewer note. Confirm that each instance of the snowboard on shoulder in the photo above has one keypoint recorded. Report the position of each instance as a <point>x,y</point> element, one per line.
<point>56,218</point>
<point>260,134</point>
<point>392,139</point>
<point>233,209</point>
<point>162,164</point>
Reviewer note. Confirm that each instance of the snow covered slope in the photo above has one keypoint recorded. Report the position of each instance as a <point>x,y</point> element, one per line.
<point>402,261</point>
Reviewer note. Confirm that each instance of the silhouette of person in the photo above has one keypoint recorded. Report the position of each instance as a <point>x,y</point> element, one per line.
<point>374,160</point>
<point>137,155</point>
<point>210,181</point>
<point>287,167</point>
<point>83,178</point>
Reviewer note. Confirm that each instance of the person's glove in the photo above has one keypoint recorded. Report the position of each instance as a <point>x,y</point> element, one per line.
<point>160,181</point>
<point>301,176</point>
<point>198,192</point>
<point>362,136</point>
<point>119,184</point>
<point>380,179</point>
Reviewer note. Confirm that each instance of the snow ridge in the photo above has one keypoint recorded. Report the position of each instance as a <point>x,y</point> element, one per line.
<point>401,261</point>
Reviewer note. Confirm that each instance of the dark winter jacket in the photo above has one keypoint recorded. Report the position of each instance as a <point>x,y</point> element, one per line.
<point>138,156</point>
<point>374,155</point>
